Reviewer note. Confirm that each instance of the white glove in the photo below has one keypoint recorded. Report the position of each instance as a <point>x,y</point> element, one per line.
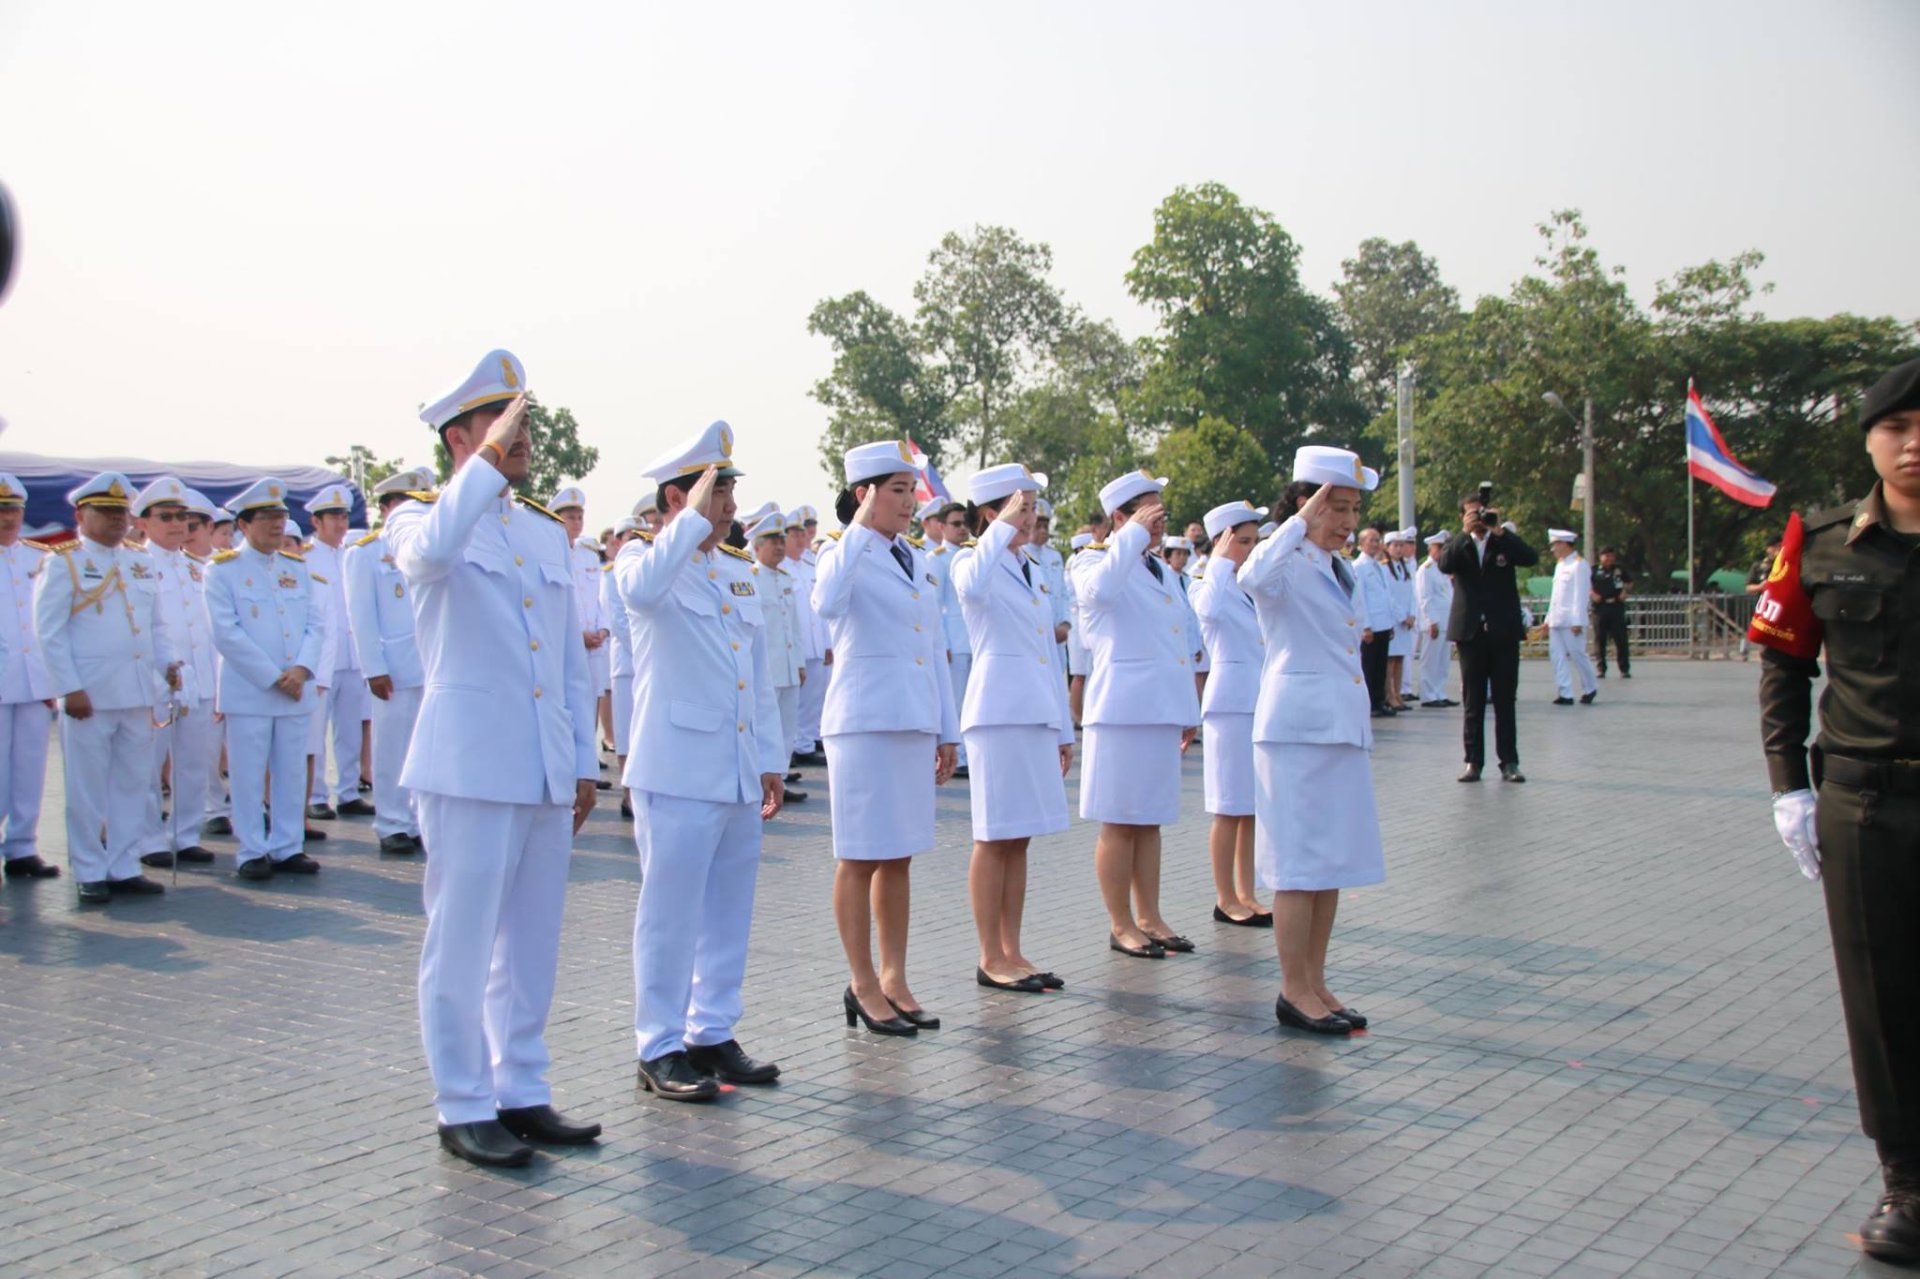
<point>1793,818</point>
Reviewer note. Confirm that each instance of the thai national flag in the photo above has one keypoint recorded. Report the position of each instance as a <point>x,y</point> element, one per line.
<point>928,485</point>
<point>1709,458</point>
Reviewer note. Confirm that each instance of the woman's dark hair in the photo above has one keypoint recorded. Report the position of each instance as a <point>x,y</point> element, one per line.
<point>737,537</point>
<point>978,517</point>
<point>846,505</point>
<point>1294,494</point>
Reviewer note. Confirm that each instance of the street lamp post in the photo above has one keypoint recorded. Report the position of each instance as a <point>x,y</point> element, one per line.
<point>1405,468</point>
<point>1585,423</point>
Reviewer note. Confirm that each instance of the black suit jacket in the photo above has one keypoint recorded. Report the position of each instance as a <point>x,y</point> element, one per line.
<point>1486,596</point>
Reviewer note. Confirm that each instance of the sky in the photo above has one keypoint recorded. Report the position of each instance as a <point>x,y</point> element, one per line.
<point>259,233</point>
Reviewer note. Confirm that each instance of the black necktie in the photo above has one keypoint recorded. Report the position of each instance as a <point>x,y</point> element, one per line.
<point>1345,574</point>
<point>1026,572</point>
<point>1153,567</point>
<point>906,561</point>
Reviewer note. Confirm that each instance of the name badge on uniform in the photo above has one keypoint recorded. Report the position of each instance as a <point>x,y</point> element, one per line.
<point>742,588</point>
<point>932,580</point>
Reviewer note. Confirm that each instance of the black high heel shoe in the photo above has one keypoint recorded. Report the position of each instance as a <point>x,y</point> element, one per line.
<point>1287,1015</point>
<point>919,1018</point>
<point>891,1026</point>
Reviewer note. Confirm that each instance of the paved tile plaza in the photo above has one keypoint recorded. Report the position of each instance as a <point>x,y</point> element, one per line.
<point>1606,1041</point>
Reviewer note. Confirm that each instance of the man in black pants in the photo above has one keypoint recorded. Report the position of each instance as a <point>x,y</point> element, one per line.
<point>1486,626</point>
<point>1609,589</point>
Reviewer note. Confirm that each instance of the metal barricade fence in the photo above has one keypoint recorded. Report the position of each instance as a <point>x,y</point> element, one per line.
<point>1702,627</point>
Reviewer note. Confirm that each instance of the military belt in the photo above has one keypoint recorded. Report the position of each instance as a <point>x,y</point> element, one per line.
<point>1888,776</point>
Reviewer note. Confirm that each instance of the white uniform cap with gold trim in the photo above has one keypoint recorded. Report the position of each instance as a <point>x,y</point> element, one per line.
<point>199,503</point>
<point>168,489</point>
<point>334,497</point>
<point>1562,535</point>
<point>1268,529</point>
<point>222,515</point>
<point>750,518</point>
<point>770,525</point>
<point>570,495</point>
<point>996,482</point>
<point>628,525</point>
<point>264,494</point>
<point>1322,464</point>
<point>1042,508</point>
<point>12,491</point>
<point>928,507</point>
<point>1393,537</point>
<point>398,482</point>
<point>712,446</point>
<point>806,514</point>
<point>650,504</point>
<point>589,542</point>
<point>1222,518</point>
<point>1118,492</point>
<point>1411,533</point>
<point>1437,539</point>
<point>1174,543</point>
<point>496,379</point>
<point>1080,541</point>
<point>865,462</point>
<point>797,518</point>
<point>109,488</point>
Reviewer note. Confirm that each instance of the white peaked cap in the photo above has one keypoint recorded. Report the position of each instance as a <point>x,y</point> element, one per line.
<point>1321,464</point>
<point>1562,535</point>
<point>1005,480</point>
<point>1118,492</point>
<point>167,488</point>
<point>496,379</point>
<point>711,446</point>
<point>1222,518</point>
<point>865,462</point>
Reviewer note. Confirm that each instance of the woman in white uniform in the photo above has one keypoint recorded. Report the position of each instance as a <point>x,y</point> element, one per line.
<point>888,723</point>
<point>619,656</point>
<point>1399,569</point>
<point>1316,828</point>
<point>1230,629</point>
<point>1018,730</point>
<point>1079,661</point>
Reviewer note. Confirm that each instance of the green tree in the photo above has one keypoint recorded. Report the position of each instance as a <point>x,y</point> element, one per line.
<point>558,455</point>
<point>880,384</point>
<point>1211,463</point>
<point>1078,418</point>
<point>1390,295</point>
<point>363,468</point>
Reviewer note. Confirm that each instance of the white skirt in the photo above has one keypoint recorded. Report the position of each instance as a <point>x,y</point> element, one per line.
<point>600,668</point>
<point>1014,776</point>
<point>1315,824</point>
<point>1079,660</point>
<point>880,794</point>
<point>622,712</point>
<point>1131,776</point>
<point>1401,645</point>
<point>1227,762</point>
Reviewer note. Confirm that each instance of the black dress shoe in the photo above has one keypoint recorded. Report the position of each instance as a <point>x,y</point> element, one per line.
<point>793,797</point>
<point>321,812</point>
<point>135,886</point>
<point>1287,1015</point>
<point>399,844</point>
<point>257,868</point>
<point>672,1077</point>
<point>298,864</point>
<point>365,787</point>
<point>546,1125</point>
<point>1175,944</point>
<point>160,861</point>
<point>815,758</point>
<point>356,808</point>
<point>194,853</point>
<point>1255,920</point>
<point>793,777</point>
<point>31,867</point>
<point>602,784</point>
<point>311,836</point>
<point>1031,985</point>
<point>919,1018</point>
<point>1471,775</point>
<point>1511,773</point>
<point>95,893</point>
<point>487,1142</point>
<point>1152,950</point>
<point>961,774</point>
<point>1626,674</point>
<point>729,1063</point>
<point>1892,1233</point>
<point>217,826</point>
<point>1563,701</point>
<point>894,1025</point>
<point>626,809</point>
<point>1586,699</point>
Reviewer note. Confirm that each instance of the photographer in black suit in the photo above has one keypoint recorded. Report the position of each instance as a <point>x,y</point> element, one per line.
<point>1486,625</point>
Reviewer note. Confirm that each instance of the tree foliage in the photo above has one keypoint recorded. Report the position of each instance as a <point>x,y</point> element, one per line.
<point>363,468</point>
<point>1209,464</point>
<point>1390,295</point>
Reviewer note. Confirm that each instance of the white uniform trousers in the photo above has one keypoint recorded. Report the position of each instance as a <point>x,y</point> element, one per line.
<point>1435,654</point>
<point>347,703</point>
<point>495,889</point>
<point>813,699</point>
<point>25,728</point>
<point>789,699</point>
<point>698,863</point>
<point>108,760</point>
<point>393,804</point>
<point>193,743</point>
<point>260,747</point>
<point>622,713</point>
<point>959,668</point>
<point>1570,659</point>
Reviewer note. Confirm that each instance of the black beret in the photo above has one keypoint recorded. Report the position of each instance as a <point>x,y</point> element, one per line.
<point>1897,392</point>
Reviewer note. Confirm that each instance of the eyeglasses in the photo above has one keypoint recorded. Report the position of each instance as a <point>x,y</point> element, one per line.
<point>168,517</point>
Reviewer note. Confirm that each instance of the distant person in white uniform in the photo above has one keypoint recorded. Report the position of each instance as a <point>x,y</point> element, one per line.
<point>890,726</point>
<point>502,767</point>
<point>1399,571</point>
<point>1176,553</point>
<point>1053,571</point>
<point>786,649</point>
<point>570,504</point>
<point>1433,601</point>
<point>1567,620</point>
<point>26,693</point>
<point>1316,828</point>
<point>619,654</point>
<point>1079,660</point>
<point>347,701</point>
<point>704,704</point>
<point>959,545</point>
<point>1140,712</point>
<point>803,564</point>
<point>189,734</point>
<point>1015,718</point>
<point>1230,629</point>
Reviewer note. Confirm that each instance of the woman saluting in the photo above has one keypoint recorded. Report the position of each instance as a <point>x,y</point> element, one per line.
<point>888,723</point>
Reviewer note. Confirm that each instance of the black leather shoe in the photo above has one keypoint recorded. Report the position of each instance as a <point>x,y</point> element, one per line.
<point>793,797</point>
<point>1511,773</point>
<point>321,812</point>
<point>546,1125</point>
<point>1025,985</point>
<point>217,826</point>
<point>160,861</point>
<point>31,867</point>
<point>399,844</point>
<point>815,758</point>
<point>1892,1233</point>
<point>1471,775</point>
<point>1586,699</point>
<point>919,1018</point>
<point>1174,945</point>
<point>258,868</point>
<point>1353,1016</point>
<point>793,777</point>
<point>1152,950</point>
<point>193,853</point>
<point>356,808</point>
<point>626,809</point>
<point>298,864</point>
<point>1255,920</point>
<point>894,1025</point>
<point>961,774</point>
<point>1287,1015</point>
<point>602,784</point>
<point>671,1077</point>
<point>365,787</point>
<point>95,893</point>
<point>135,886</point>
<point>311,836</point>
<point>729,1063</point>
<point>487,1143</point>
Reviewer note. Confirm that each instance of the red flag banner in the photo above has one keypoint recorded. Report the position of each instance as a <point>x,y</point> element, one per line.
<point>1783,619</point>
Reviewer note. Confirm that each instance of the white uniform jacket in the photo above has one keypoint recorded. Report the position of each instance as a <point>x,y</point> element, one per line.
<point>380,614</point>
<point>1311,689</point>
<point>889,655</point>
<point>97,614</point>
<point>1433,594</point>
<point>1016,663</point>
<point>808,631</point>
<point>327,566</point>
<point>586,589</point>
<point>267,616</point>
<point>943,561</point>
<point>507,711</point>
<point>1230,628</point>
<point>1053,571</point>
<point>703,696</point>
<point>1135,628</point>
<point>183,611</point>
<point>1572,587</point>
<point>780,603</point>
<point>24,677</point>
<point>1372,596</point>
<point>619,636</point>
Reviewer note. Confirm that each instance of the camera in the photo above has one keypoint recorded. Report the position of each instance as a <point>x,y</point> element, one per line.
<point>1489,518</point>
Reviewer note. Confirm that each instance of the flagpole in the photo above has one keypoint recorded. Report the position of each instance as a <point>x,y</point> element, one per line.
<point>1688,453</point>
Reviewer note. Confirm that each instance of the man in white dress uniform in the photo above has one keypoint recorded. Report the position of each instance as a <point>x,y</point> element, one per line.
<point>570,504</point>
<point>1433,603</point>
<point>704,704</point>
<point>803,564</point>
<point>1567,620</point>
<point>26,693</point>
<point>192,739</point>
<point>786,648</point>
<point>345,705</point>
<point>380,610</point>
<point>1053,571</point>
<point>502,767</point>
